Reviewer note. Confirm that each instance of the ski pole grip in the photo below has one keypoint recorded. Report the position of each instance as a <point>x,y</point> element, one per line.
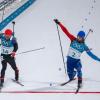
<point>90,30</point>
<point>13,22</point>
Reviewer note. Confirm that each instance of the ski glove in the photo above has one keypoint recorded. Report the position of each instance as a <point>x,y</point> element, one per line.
<point>13,54</point>
<point>56,21</point>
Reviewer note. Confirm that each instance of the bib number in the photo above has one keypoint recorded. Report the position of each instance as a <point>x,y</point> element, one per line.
<point>6,50</point>
<point>74,53</point>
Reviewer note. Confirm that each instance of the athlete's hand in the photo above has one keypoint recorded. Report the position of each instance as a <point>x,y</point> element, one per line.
<point>13,54</point>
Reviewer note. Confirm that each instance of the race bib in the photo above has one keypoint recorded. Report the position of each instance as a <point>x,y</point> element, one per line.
<point>6,50</point>
<point>74,53</point>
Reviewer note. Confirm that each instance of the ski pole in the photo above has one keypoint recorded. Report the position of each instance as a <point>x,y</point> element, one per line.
<point>90,31</point>
<point>3,13</point>
<point>61,48</point>
<point>30,51</point>
<point>13,27</point>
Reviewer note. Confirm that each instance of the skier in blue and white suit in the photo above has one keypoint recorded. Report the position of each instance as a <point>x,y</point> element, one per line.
<point>77,47</point>
<point>9,46</point>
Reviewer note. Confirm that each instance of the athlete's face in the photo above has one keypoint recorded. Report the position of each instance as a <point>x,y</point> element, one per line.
<point>7,37</point>
<point>80,39</point>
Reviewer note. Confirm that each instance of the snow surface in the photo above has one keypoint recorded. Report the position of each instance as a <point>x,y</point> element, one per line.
<point>35,29</point>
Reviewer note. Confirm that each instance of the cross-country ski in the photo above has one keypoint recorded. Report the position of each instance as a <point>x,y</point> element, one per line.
<point>18,82</point>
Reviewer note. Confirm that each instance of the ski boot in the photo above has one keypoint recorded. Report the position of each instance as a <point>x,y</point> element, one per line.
<point>16,75</point>
<point>79,82</point>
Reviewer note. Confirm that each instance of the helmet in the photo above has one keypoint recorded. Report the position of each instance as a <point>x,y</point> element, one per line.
<point>81,34</point>
<point>8,32</point>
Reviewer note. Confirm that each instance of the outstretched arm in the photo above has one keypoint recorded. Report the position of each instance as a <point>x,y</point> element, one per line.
<point>92,55</point>
<point>64,29</point>
<point>71,37</point>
